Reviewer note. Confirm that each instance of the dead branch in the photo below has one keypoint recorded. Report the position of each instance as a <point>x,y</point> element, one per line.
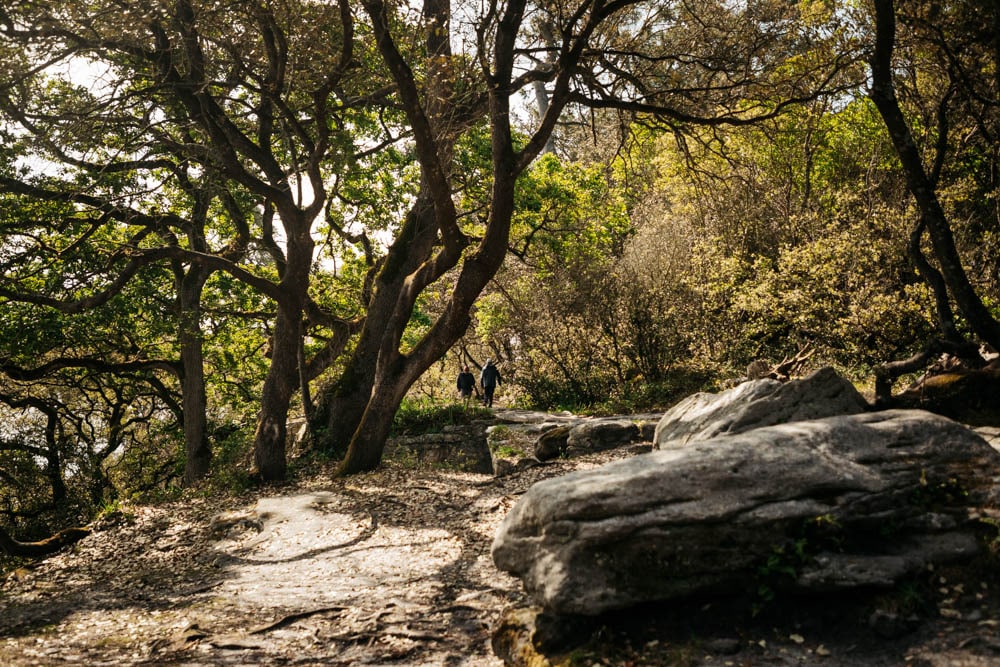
<point>790,366</point>
<point>784,370</point>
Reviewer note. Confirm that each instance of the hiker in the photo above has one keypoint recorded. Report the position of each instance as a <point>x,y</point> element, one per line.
<point>489,379</point>
<point>466,384</point>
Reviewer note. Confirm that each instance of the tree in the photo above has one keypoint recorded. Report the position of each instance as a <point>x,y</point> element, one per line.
<point>739,64</point>
<point>81,241</point>
<point>69,424</point>
<point>272,108</point>
<point>958,43</point>
<point>183,96</point>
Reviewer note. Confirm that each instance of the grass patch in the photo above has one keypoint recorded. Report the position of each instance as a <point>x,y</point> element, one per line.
<point>507,443</point>
<point>417,417</point>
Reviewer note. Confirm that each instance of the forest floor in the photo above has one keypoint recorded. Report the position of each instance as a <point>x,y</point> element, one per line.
<point>393,568</point>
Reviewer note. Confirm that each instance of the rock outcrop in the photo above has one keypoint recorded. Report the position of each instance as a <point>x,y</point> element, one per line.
<point>590,434</point>
<point>552,443</point>
<point>601,434</point>
<point>463,447</point>
<point>844,501</point>
<point>756,404</point>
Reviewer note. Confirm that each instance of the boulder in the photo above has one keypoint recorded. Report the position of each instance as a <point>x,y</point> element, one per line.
<point>552,443</point>
<point>586,435</point>
<point>755,404</point>
<point>817,505</point>
<point>600,434</point>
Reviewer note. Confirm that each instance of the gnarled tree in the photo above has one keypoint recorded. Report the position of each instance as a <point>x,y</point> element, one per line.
<point>952,50</point>
<point>674,63</point>
<point>238,110</point>
<point>276,103</point>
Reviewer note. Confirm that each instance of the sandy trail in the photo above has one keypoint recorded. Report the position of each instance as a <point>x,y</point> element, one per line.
<point>387,567</point>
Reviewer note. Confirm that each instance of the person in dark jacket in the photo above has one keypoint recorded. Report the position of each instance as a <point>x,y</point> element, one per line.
<point>466,385</point>
<point>488,380</point>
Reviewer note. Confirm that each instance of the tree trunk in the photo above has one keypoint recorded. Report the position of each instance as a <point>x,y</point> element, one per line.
<point>307,402</point>
<point>343,405</point>
<point>53,462</point>
<point>282,380</point>
<point>934,280</point>
<point>283,375</point>
<point>198,452</point>
<point>541,92</point>
<point>883,94</point>
<point>365,450</point>
<point>346,402</point>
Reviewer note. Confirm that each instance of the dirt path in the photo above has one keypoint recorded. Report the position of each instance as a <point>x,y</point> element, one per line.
<point>388,567</point>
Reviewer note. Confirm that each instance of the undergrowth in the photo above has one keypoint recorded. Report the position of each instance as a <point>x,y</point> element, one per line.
<point>419,417</point>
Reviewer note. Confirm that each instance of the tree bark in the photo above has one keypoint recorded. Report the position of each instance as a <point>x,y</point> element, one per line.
<point>345,404</point>
<point>282,379</point>
<point>883,94</point>
<point>193,399</point>
<point>368,441</point>
<point>53,462</point>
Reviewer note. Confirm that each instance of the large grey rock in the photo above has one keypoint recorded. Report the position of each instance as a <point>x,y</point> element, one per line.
<point>591,435</point>
<point>845,501</point>
<point>755,404</point>
<point>600,434</point>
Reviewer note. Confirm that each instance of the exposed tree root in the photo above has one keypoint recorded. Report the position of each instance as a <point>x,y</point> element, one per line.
<point>291,618</point>
<point>42,548</point>
<point>964,355</point>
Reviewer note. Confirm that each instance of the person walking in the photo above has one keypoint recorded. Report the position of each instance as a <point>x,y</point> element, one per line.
<point>466,384</point>
<point>488,380</point>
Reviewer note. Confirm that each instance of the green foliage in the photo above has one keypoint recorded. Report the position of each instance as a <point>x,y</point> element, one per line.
<point>507,443</point>
<point>679,382</point>
<point>840,293</point>
<point>559,301</point>
<point>786,560</point>
<point>232,445</point>
<point>787,234</point>
<point>152,466</point>
<point>567,213</point>
<point>416,417</point>
<point>507,451</point>
<point>828,269</point>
